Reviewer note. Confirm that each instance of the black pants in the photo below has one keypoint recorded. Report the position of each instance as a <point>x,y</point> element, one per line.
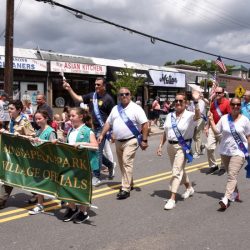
<point>5,192</point>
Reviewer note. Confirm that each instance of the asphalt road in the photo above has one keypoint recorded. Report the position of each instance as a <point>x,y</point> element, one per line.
<point>139,222</point>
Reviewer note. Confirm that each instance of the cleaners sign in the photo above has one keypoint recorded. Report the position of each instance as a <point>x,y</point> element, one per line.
<point>78,68</point>
<point>25,64</point>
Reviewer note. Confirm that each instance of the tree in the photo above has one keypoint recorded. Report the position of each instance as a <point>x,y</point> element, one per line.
<point>127,78</point>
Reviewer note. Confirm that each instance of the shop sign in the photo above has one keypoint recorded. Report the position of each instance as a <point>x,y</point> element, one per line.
<point>25,64</point>
<point>77,68</point>
<point>167,79</point>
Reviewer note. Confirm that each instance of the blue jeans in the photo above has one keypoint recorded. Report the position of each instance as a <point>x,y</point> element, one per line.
<point>102,158</point>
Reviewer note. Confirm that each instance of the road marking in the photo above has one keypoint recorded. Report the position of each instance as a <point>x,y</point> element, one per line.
<point>106,191</point>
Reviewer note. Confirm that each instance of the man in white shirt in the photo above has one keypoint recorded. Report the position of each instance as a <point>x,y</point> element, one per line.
<point>126,141</point>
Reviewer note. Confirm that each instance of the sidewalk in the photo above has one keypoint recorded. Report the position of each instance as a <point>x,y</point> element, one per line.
<point>155,130</point>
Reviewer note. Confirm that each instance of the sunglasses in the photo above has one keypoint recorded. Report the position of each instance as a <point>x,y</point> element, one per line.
<point>218,93</point>
<point>235,104</point>
<point>180,101</point>
<point>124,94</point>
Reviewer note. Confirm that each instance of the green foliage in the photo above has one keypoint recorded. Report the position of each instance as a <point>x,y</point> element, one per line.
<point>127,79</point>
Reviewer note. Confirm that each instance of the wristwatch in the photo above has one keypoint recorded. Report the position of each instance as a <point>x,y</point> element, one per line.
<point>196,102</point>
<point>145,141</point>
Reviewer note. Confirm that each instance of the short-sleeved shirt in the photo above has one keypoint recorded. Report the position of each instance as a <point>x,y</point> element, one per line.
<point>224,107</point>
<point>185,124</point>
<point>134,112</point>
<point>245,109</point>
<point>22,126</point>
<point>105,104</point>
<point>228,146</point>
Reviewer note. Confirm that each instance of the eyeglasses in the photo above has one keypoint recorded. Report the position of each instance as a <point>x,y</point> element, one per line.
<point>180,101</point>
<point>235,104</point>
<point>124,94</point>
<point>218,93</point>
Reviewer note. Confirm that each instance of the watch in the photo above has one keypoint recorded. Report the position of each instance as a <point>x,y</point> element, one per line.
<point>196,102</point>
<point>145,141</point>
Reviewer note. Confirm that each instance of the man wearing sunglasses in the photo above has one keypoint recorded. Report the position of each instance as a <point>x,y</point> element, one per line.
<point>130,129</point>
<point>100,105</point>
<point>245,105</point>
<point>219,107</point>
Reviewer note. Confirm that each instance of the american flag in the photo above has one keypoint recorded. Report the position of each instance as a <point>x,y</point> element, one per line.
<point>221,64</point>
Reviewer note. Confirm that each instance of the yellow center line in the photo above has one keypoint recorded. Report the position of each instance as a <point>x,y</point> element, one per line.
<point>110,190</point>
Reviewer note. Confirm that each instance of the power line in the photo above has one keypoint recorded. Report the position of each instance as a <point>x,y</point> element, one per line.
<point>152,38</point>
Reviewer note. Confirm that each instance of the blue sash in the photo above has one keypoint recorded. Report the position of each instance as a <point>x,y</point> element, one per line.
<point>204,117</point>
<point>239,143</point>
<point>96,110</point>
<point>217,108</point>
<point>13,122</point>
<point>129,124</point>
<point>186,148</point>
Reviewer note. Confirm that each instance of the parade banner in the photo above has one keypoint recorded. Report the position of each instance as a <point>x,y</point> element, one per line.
<point>58,170</point>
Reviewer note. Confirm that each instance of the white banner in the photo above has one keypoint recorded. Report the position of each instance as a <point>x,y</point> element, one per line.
<point>79,68</point>
<point>167,79</point>
<point>25,63</point>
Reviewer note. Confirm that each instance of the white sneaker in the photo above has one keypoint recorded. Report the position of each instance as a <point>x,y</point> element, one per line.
<point>189,192</point>
<point>196,156</point>
<point>96,181</point>
<point>37,210</point>
<point>170,204</point>
<point>224,203</point>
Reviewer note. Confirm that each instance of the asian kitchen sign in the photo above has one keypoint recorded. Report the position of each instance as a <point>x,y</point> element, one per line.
<point>167,79</point>
<point>25,64</point>
<point>77,68</point>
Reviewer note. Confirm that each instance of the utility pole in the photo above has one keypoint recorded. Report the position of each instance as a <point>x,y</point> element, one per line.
<point>8,67</point>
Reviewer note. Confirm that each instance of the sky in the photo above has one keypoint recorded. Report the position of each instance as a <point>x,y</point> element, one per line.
<point>221,27</point>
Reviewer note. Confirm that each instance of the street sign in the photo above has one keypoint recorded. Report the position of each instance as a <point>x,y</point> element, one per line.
<point>239,91</point>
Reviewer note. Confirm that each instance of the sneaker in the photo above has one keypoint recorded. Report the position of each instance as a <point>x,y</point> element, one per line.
<point>170,204</point>
<point>189,192</point>
<point>224,203</point>
<point>221,172</point>
<point>81,217</point>
<point>37,210</point>
<point>70,215</point>
<point>235,196</point>
<point>196,156</point>
<point>112,171</point>
<point>212,170</point>
<point>96,181</point>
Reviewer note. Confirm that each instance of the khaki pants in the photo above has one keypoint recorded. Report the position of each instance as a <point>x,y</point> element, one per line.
<point>197,135</point>
<point>232,164</point>
<point>178,162</point>
<point>212,141</point>
<point>126,154</point>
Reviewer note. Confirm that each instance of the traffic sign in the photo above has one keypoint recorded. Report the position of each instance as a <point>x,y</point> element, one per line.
<point>239,91</point>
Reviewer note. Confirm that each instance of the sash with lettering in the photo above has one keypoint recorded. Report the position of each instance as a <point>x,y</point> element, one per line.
<point>129,124</point>
<point>186,148</point>
<point>98,115</point>
<point>239,143</point>
<point>217,108</point>
<point>96,110</point>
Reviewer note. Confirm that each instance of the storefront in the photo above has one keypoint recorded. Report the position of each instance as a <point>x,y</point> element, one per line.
<point>80,76</point>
